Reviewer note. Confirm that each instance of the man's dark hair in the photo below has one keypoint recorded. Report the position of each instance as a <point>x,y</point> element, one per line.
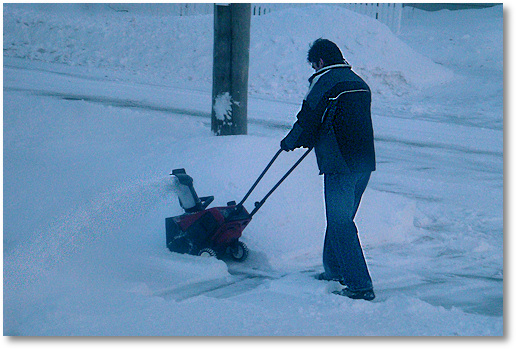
<point>325,49</point>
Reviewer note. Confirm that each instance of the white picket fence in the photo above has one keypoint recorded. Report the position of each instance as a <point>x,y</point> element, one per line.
<point>389,14</point>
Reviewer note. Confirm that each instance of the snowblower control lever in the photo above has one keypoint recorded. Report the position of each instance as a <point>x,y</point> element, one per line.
<point>259,204</point>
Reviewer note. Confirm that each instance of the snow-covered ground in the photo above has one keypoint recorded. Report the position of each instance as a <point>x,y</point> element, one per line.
<point>100,106</point>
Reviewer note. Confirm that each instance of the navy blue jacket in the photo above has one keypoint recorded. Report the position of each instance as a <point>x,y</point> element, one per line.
<point>335,119</point>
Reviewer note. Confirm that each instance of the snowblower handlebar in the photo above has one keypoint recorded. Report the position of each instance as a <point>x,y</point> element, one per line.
<point>260,177</point>
<point>259,204</point>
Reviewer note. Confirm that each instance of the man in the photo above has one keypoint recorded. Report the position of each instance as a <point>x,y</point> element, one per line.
<point>335,119</point>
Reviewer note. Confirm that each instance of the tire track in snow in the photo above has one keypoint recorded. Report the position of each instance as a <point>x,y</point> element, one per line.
<point>286,126</point>
<point>134,104</point>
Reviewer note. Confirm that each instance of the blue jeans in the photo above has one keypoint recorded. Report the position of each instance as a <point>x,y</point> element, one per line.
<point>343,258</point>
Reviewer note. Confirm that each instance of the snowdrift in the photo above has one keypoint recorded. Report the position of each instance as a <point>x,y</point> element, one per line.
<point>178,50</point>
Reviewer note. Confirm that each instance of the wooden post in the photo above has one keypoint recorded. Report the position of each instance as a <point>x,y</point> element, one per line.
<point>241,33</point>
<point>221,91</point>
<point>232,24</point>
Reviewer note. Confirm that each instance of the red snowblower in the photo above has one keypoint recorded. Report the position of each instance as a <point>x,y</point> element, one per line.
<point>215,231</point>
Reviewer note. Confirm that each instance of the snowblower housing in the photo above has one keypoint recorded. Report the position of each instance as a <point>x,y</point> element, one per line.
<point>200,230</point>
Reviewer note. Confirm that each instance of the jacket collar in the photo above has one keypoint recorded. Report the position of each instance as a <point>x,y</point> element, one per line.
<point>328,68</point>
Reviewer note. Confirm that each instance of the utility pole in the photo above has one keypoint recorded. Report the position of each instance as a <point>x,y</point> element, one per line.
<point>232,32</point>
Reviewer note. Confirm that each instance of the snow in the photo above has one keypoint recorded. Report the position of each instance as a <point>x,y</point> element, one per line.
<point>100,106</point>
<point>222,107</point>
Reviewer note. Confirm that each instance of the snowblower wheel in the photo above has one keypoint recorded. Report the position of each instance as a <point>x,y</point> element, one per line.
<point>207,252</point>
<point>239,251</point>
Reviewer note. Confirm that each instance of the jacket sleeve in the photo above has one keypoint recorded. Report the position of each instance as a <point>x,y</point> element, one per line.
<point>305,131</point>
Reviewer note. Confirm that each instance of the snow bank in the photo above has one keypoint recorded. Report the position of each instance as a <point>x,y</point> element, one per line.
<point>145,46</point>
<point>169,49</point>
<point>460,49</point>
<point>389,65</point>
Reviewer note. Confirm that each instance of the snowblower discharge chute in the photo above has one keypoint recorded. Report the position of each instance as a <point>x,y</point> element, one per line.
<point>215,231</point>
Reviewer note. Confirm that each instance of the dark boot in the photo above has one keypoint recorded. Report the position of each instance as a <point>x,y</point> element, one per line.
<point>367,295</point>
